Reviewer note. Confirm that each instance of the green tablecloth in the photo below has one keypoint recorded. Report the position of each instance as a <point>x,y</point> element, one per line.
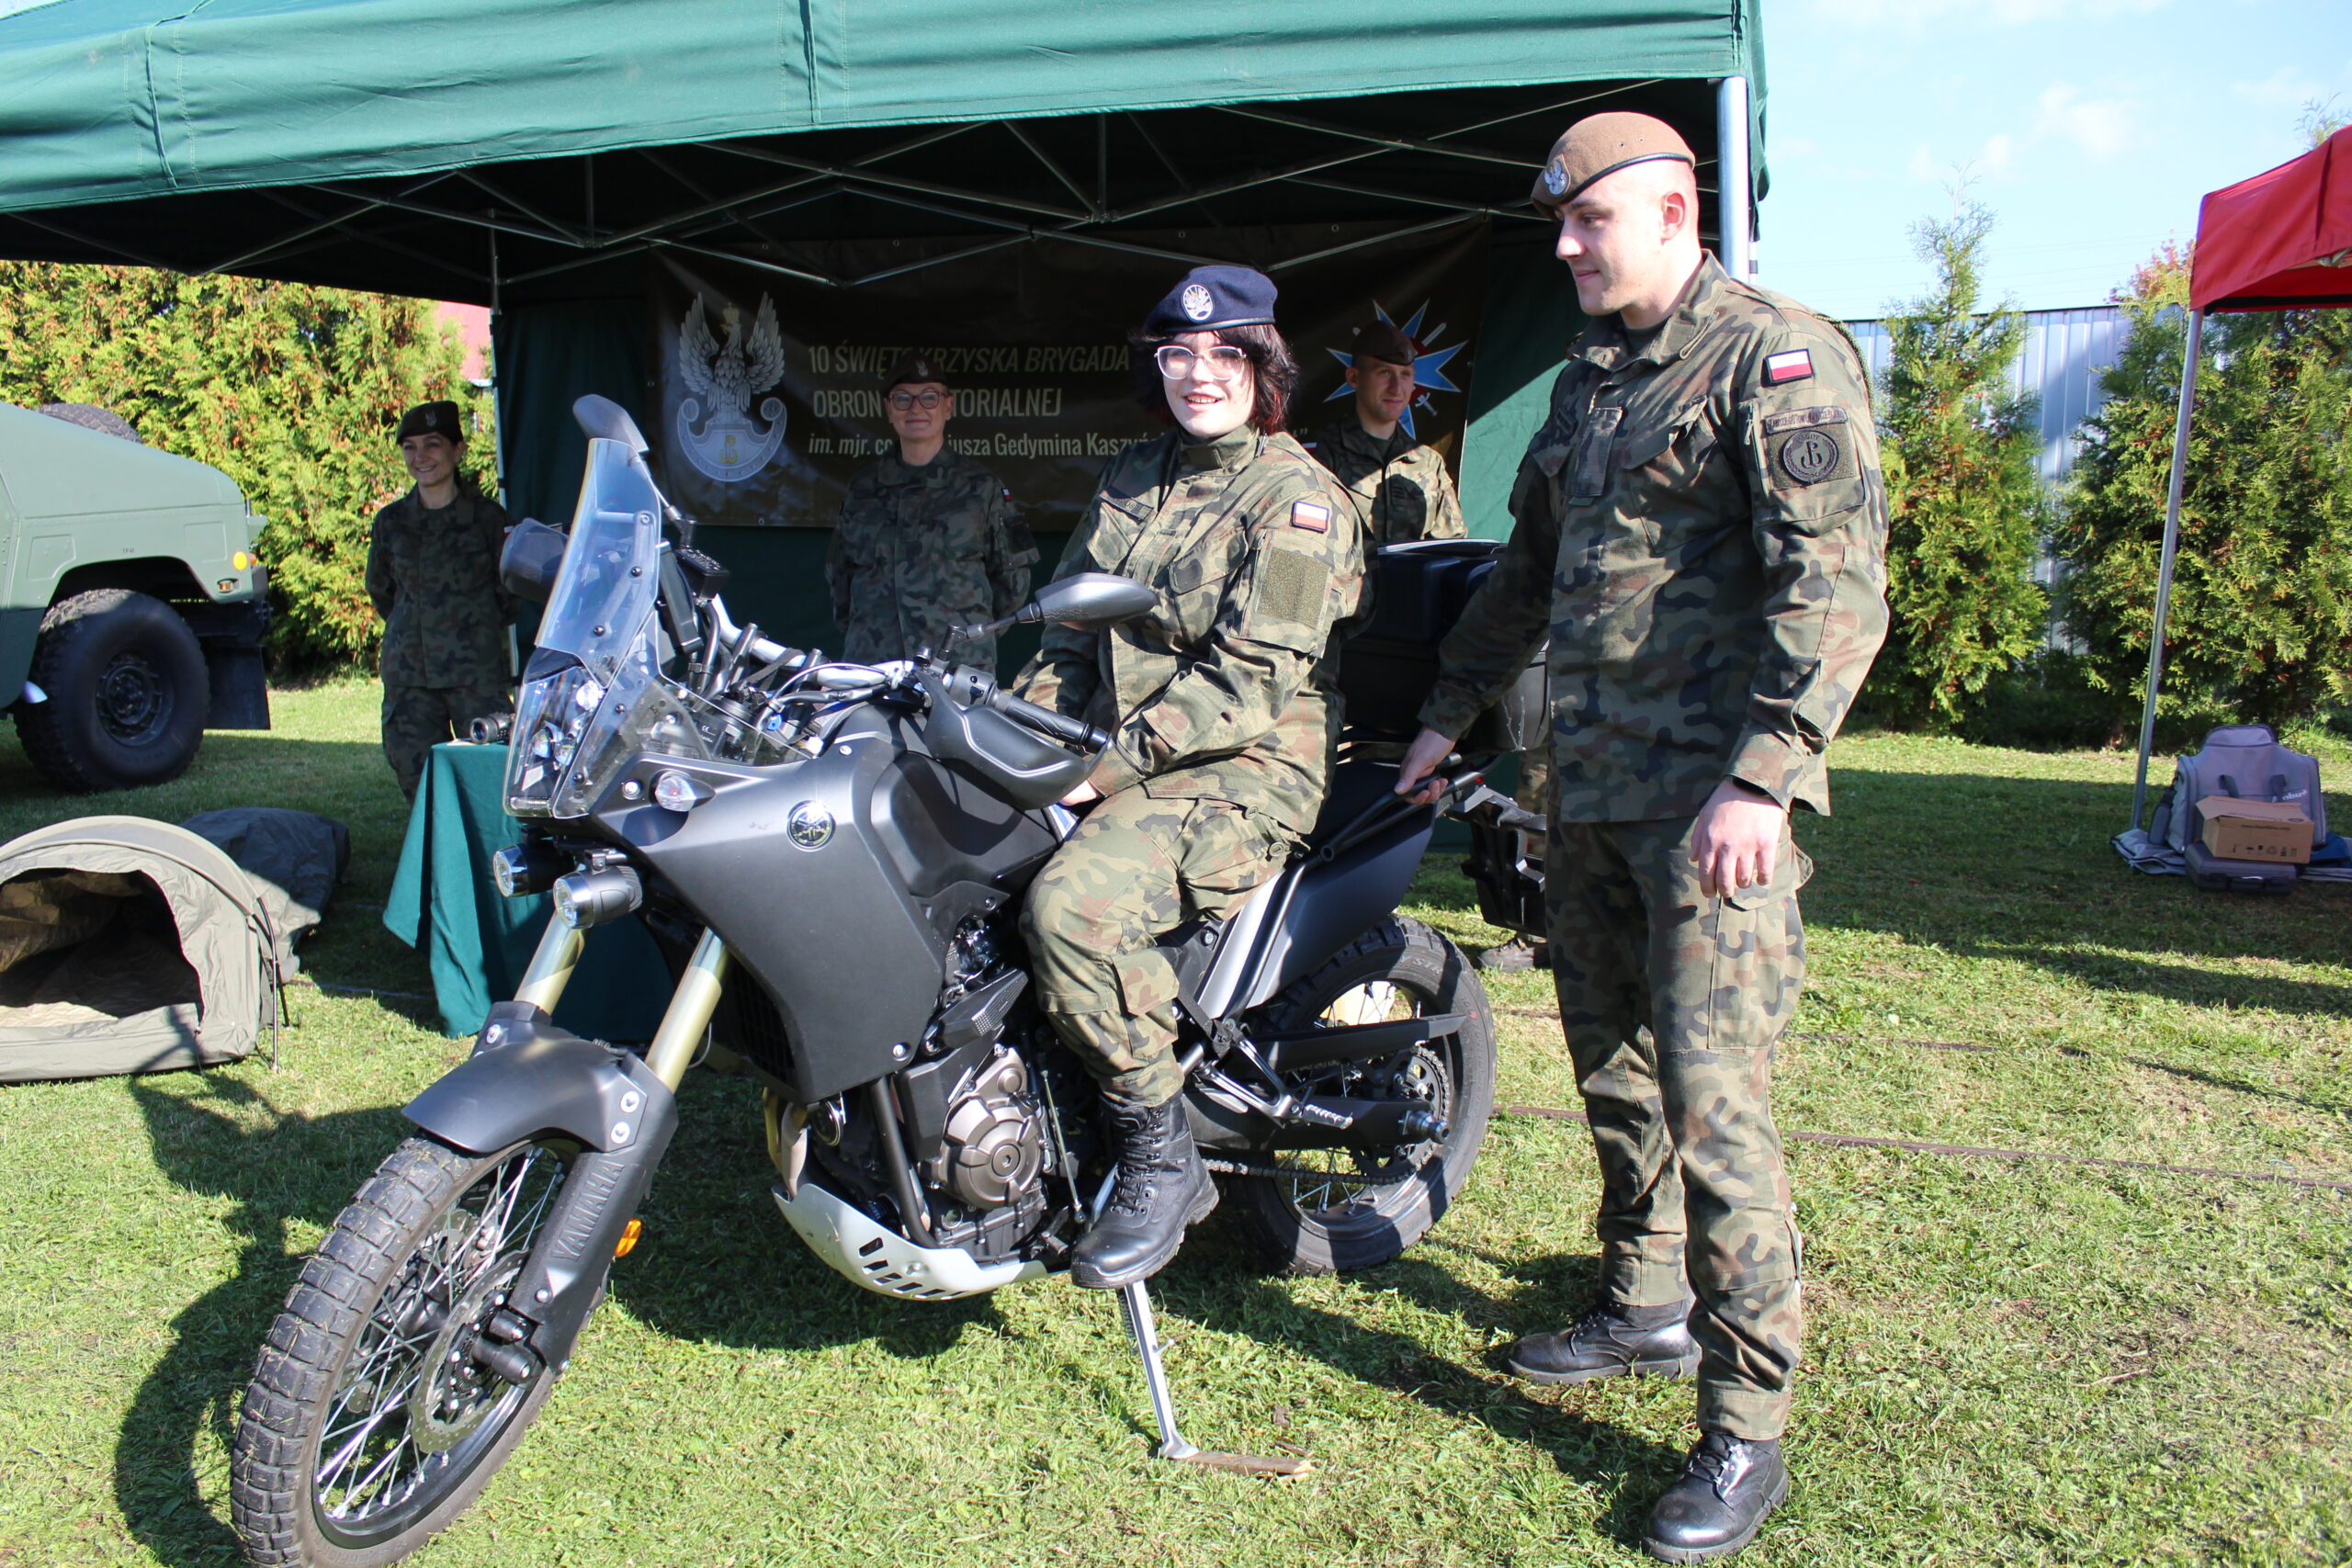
<point>444,903</point>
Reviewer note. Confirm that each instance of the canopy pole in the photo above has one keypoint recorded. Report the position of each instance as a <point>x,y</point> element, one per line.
<point>2163,563</point>
<point>1734,215</point>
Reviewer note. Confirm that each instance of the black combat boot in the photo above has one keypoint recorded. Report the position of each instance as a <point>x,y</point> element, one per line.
<point>1610,1341</point>
<point>1161,1188</point>
<point>1727,1487</point>
<point>1520,952</point>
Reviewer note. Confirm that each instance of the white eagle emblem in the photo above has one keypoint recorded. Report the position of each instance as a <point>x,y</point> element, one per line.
<point>1197,303</point>
<point>725,379</point>
<point>1556,178</point>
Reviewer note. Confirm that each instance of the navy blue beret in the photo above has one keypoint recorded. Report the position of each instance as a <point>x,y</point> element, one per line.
<point>1209,298</point>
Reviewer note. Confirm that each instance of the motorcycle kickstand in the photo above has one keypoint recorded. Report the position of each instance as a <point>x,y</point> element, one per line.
<point>1173,1444</point>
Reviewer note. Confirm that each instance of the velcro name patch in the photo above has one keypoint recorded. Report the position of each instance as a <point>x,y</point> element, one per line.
<point>1790,365</point>
<point>1311,515</point>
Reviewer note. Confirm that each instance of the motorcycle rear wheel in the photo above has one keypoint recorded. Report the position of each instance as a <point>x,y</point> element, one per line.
<point>367,1427</point>
<point>1333,1211</point>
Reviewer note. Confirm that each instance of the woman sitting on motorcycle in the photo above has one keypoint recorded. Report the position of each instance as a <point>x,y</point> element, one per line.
<point>1223,709</point>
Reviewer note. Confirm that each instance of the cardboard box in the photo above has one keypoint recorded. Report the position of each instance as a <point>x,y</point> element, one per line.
<point>2275,831</point>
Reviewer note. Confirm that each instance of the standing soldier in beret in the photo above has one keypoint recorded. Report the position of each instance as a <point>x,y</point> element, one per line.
<point>928,539</point>
<point>1702,531</point>
<point>1224,712</point>
<point>1400,488</point>
<point>433,575</point>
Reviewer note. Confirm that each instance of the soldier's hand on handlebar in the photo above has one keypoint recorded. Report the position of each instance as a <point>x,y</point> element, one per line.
<point>1422,759</point>
<point>1081,794</point>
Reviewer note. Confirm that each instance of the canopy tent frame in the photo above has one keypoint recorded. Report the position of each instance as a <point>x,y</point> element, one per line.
<point>2278,241</point>
<point>819,179</point>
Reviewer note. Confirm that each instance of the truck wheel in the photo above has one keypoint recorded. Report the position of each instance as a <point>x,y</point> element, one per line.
<point>128,692</point>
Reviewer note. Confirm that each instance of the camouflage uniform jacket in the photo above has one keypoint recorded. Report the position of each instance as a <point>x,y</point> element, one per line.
<point>1702,532</point>
<point>1400,488</point>
<point>433,577</point>
<point>921,549</point>
<point>1229,689</point>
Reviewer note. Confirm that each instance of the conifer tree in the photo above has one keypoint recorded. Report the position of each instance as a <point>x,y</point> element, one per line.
<point>2260,623</point>
<point>1966,504</point>
<point>290,390</point>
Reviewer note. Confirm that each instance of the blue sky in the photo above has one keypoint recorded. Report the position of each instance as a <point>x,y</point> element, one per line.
<point>2090,128</point>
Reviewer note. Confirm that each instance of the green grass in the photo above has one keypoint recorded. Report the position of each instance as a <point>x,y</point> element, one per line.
<point>2008,1361</point>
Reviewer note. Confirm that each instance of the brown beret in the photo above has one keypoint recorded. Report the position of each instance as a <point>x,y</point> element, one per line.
<point>1599,145</point>
<point>433,418</point>
<point>913,371</point>
<point>1382,341</point>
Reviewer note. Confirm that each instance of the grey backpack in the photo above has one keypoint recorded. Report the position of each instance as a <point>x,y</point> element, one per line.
<point>2245,762</point>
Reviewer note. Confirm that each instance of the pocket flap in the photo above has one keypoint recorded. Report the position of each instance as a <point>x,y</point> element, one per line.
<point>1791,872</point>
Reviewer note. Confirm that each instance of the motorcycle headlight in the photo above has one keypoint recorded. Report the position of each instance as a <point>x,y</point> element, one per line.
<point>551,714</point>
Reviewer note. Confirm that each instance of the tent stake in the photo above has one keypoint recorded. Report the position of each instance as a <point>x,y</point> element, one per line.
<point>2163,563</point>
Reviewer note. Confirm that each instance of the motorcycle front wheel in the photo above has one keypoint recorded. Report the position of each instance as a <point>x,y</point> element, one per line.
<point>1336,1210</point>
<point>370,1422</point>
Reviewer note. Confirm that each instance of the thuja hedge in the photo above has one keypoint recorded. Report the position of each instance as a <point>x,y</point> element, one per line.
<point>289,388</point>
<point>2260,625</point>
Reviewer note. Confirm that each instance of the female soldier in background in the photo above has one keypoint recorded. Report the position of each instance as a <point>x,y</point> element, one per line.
<point>1223,709</point>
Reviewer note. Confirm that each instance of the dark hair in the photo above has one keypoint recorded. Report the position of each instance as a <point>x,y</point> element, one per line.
<point>1274,372</point>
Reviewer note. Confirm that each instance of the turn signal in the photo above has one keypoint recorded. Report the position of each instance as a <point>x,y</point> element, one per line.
<point>628,1238</point>
<point>674,791</point>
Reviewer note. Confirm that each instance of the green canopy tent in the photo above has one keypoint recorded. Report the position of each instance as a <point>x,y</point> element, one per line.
<point>541,155</point>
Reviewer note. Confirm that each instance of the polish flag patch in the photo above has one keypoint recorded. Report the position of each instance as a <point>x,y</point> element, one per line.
<point>1794,365</point>
<point>1313,516</point>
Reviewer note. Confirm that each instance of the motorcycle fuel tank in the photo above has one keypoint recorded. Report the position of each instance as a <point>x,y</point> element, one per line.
<point>837,883</point>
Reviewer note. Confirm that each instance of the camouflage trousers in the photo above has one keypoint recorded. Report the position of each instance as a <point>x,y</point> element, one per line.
<point>1672,1002</point>
<point>418,719</point>
<point>1135,869</point>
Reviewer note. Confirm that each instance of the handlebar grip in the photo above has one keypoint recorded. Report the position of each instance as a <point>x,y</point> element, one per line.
<point>1076,732</point>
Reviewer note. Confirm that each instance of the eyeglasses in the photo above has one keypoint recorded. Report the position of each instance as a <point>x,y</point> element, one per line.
<point>1226,361</point>
<point>902,402</point>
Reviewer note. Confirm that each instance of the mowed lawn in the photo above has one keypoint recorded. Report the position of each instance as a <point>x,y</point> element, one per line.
<point>2008,1361</point>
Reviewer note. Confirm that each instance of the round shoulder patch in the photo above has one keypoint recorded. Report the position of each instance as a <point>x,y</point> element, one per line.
<point>1811,455</point>
<point>1197,303</point>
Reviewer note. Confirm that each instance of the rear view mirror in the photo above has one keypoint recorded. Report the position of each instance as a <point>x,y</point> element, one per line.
<point>534,554</point>
<point>1089,599</point>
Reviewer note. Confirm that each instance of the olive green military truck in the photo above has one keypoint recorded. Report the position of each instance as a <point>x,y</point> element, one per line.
<point>131,607</point>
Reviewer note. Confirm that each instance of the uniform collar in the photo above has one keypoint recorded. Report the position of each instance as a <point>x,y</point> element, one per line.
<point>416,499</point>
<point>1395,446</point>
<point>1607,343</point>
<point>1227,451</point>
<point>894,469</point>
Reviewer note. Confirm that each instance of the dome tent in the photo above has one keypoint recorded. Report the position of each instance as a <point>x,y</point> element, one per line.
<point>125,946</point>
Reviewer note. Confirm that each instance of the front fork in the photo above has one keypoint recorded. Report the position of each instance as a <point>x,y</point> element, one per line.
<point>684,1022</point>
<point>563,1277</point>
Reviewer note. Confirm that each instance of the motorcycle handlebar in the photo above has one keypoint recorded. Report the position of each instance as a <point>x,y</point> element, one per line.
<point>1071,731</point>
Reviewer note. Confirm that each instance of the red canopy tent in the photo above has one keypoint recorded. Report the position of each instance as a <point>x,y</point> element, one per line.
<point>2279,240</point>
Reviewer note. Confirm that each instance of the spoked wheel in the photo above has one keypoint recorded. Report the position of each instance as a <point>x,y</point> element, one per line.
<point>380,1407</point>
<point>1342,1209</point>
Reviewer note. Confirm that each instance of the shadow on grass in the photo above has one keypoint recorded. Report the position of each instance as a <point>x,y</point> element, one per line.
<point>301,1170</point>
<point>2020,869</point>
<point>1216,1282</point>
<point>718,1264</point>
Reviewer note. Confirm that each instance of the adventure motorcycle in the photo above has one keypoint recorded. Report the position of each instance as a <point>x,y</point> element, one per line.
<point>833,856</point>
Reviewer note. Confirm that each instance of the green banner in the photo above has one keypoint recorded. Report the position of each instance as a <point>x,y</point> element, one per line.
<point>766,390</point>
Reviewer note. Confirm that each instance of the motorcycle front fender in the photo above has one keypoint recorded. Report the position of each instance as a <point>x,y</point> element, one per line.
<point>529,1080</point>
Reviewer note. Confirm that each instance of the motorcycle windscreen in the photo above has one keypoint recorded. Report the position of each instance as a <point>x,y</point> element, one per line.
<point>592,656</point>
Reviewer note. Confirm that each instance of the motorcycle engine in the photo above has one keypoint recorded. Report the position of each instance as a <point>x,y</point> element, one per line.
<point>994,1148</point>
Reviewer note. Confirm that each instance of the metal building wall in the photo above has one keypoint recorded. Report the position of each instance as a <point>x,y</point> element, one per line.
<point>2064,353</point>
